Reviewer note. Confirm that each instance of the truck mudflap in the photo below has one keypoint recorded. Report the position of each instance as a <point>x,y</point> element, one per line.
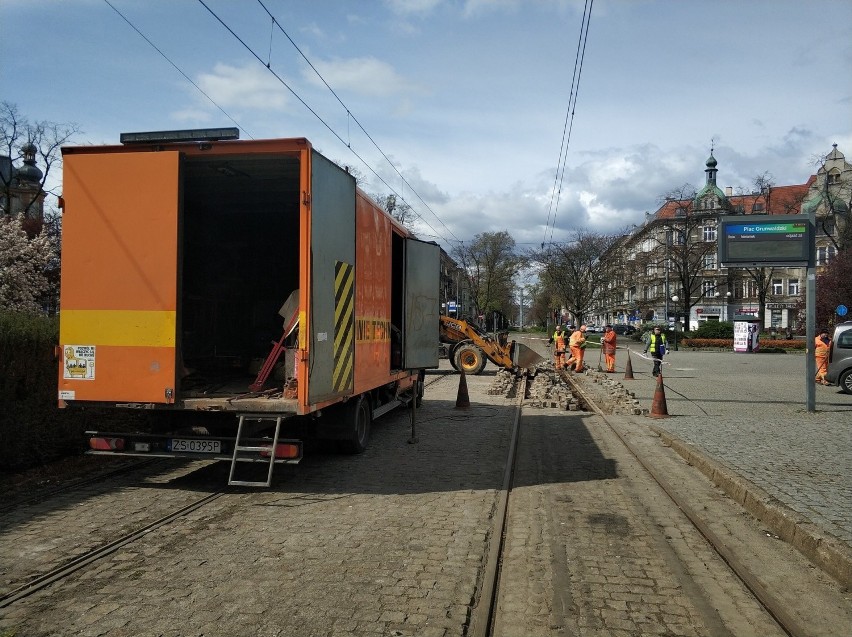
<point>192,446</point>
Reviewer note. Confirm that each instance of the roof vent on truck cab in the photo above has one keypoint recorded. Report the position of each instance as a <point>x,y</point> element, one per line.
<point>192,135</point>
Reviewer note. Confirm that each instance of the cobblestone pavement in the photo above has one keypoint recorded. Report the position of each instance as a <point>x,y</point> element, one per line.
<point>594,548</point>
<point>389,542</point>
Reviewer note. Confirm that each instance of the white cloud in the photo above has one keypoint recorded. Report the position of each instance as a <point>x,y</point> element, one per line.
<point>250,86</point>
<point>366,76</point>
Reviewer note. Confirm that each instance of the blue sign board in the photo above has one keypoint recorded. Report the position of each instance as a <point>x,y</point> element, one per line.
<point>842,310</point>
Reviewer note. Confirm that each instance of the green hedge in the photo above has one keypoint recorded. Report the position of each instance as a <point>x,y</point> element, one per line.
<point>33,430</point>
<point>728,343</point>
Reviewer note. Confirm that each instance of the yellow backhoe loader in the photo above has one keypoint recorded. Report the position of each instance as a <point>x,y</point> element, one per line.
<point>469,348</point>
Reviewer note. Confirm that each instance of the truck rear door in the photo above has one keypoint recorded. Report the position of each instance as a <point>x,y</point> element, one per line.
<point>118,302</point>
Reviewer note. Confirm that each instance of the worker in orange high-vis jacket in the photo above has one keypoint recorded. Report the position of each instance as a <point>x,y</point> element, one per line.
<point>608,346</point>
<point>558,341</point>
<point>822,348</point>
<point>577,345</point>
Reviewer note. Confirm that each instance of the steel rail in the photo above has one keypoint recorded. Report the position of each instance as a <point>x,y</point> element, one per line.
<point>80,482</point>
<point>77,563</point>
<point>785,620</point>
<point>482,615</point>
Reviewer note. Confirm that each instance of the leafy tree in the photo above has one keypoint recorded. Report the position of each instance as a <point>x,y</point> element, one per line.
<point>24,266</point>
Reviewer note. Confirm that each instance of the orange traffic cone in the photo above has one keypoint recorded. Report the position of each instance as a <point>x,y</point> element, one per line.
<point>628,371</point>
<point>462,401</point>
<point>658,407</point>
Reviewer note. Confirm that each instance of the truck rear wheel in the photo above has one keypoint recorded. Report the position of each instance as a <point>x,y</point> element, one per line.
<point>470,359</point>
<point>357,418</point>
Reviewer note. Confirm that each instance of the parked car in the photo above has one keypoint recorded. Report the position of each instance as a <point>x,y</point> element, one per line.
<point>623,329</point>
<point>840,357</point>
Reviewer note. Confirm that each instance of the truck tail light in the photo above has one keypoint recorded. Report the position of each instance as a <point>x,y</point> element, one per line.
<point>282,450</point>
<point>106,444</point>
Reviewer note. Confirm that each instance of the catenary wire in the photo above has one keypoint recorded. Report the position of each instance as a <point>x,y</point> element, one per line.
<point>316,115</point>
<point>569,123</point>
<point>351,116</point>
<point>177,68</point>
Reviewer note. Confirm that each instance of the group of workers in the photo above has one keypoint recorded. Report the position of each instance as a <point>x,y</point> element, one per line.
<point>576,345</point>
<point>656,345</point>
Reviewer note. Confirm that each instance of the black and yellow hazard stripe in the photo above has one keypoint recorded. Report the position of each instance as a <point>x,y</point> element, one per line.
<point>344,326</point>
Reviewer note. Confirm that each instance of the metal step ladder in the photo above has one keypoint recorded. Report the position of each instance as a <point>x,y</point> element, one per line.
<point>253,448</point>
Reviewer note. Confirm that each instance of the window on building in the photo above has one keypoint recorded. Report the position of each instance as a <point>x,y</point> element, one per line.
<point>709,262</point>
<point>776,319</point>
<point>825,255</point>
<point>709,233</point>
<point>793,287</point>
<point>777,286</point>
<point>757,206</point>
<point>708,288</point>
<point>739,208</point>
<point>834,176</point>
<point>750,289</point>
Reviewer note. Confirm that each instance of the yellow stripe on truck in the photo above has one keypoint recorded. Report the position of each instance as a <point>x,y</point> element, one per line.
<point>133,328</point>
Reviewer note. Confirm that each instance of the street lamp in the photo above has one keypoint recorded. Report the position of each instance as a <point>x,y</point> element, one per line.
<point>675,299</point>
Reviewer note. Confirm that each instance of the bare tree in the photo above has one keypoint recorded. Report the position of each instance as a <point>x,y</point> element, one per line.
<point>576,272</point>
<point>688,250</point>
<point>397,209</point>
<point>16,131</point>
<point>490,263</point>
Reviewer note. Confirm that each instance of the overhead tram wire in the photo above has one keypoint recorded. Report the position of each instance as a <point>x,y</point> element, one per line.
<point>177,68</point>
<point>351,116</point>
<point>313,112</point>
<point>572,103</point>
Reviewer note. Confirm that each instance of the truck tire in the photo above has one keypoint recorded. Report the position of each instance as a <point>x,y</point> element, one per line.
<point>420,390</point>
<point>357,418</point>
<point>470,359</point>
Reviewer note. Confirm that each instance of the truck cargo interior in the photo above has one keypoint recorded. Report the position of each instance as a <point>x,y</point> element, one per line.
<point>240,261</point>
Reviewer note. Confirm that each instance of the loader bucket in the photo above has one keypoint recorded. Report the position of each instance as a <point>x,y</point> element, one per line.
<point>523,356</point>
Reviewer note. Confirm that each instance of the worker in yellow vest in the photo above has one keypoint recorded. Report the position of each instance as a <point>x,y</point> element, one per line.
<point>558,341</point>
<point>822,348</point>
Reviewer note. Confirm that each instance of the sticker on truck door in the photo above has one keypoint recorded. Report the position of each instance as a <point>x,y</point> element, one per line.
<point>79,362</point>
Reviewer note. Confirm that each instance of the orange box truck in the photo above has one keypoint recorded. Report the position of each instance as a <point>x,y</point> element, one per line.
<point>245,291</point>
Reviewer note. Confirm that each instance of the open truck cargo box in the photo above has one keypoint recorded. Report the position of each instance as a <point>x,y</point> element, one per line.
<point>178,257</point>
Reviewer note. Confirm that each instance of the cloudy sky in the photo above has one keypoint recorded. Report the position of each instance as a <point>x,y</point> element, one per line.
<point>468,99</point>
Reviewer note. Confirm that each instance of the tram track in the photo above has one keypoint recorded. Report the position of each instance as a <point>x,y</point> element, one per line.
<point>71,566</point>
<point>771,604</point>
<point>81,561</point>
<point>483,614</point>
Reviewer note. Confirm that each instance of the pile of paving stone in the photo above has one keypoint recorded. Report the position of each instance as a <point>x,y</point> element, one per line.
<point>503,384</point>
<point>548,389</point>
<point>615,397</point>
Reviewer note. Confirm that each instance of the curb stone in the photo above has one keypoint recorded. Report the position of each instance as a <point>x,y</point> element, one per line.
<point>824,550</point>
